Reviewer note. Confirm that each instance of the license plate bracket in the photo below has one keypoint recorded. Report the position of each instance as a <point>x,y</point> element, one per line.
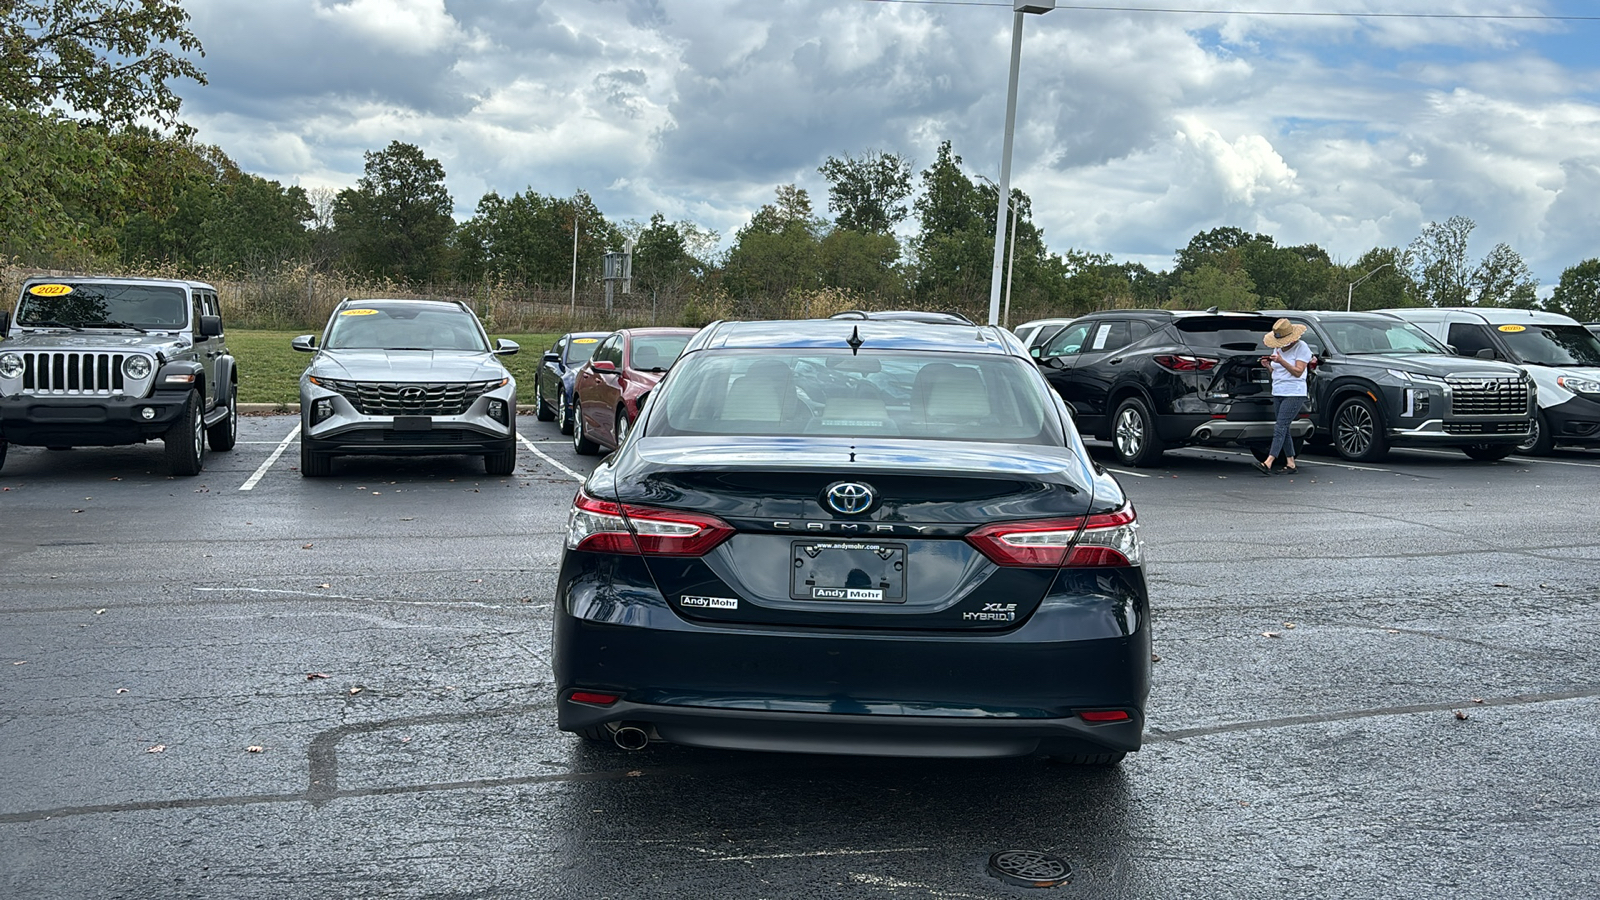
<point>848,571</point>
<point>413,423</point>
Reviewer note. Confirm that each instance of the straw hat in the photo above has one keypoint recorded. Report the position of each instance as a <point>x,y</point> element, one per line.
<point>1283,334</point>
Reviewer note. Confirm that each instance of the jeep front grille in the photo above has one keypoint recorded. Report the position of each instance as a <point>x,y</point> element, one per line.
<point>1488,396</point>
<point>400,398</point>
<point>72,372</point>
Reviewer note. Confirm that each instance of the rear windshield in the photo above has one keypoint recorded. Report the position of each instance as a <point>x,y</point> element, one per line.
<point>1552,345</point>
<point>888,394</point>
<point>1224,332</point>
<point>656,352</point>
<point>79,305</point>
<point>405,326</point>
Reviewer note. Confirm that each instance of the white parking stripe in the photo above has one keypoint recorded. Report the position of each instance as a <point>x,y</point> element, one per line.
<point>1516,459</point>
<point>1298,459</point>
<point>282,446</point>
<point>542,455</point>
<point>1122,472</point>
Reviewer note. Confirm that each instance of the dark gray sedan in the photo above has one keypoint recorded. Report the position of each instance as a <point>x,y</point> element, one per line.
<point>406,377</point>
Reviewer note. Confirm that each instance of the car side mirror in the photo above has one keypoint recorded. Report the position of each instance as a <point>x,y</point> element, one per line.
<point>1486,353</point>
<point>1054,362</point>
<point>550,357</point>
<point>503,347</point>
<point>210,326</point>
<point>603,365</point>
<point>305,343</point>
<point>1034,351</point>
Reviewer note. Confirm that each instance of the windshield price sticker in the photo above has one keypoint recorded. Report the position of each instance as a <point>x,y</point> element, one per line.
<point>1512,329</point>
<point>359,312</point>
<point>50,290</point>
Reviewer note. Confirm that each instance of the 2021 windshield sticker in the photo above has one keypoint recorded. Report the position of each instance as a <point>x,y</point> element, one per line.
<point>50,290</point>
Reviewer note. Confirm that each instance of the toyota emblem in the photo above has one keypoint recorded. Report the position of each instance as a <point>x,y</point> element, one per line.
<point>849,497</point>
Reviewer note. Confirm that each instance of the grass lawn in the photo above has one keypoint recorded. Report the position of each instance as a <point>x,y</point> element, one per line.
<point>269,369</point>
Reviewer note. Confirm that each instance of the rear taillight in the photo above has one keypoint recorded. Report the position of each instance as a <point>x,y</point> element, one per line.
<point>1186,363</point>
<point>602,526</point>
<point>1107,539</point>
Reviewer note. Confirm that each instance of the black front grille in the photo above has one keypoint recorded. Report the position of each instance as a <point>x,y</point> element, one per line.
<point>1488,396</point>
<point>402,398</point>
<point>1485,427</point>
<point>72,372</point>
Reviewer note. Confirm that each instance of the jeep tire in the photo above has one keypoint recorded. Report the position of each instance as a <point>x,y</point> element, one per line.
<point>186,439</point>
<point>224,434</point>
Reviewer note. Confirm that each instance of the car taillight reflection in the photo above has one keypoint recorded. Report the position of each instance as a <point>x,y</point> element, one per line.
<point>1106,539</point>
<point>602,526</point>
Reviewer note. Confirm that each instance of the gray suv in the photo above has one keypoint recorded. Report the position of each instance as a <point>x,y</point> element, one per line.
<point>406,377</point>
<point>100,362</point>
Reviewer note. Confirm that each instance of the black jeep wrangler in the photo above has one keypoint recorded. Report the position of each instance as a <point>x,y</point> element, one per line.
<point>109,361</point>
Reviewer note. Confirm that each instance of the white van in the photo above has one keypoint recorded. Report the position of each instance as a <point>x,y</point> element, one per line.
<point>1561,355</point>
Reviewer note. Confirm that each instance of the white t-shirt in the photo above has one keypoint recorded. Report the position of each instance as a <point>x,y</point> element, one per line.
<point>1285,384</point>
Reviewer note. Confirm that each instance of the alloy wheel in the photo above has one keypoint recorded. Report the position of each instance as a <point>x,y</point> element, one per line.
<point>1129,433</point>
<point>1532,442</point>
<point>1354,429</point>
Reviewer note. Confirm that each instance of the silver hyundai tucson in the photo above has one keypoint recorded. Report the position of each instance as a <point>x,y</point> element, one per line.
<point>404,378</point>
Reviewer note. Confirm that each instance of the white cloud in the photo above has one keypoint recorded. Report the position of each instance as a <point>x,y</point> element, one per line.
<point>406,26</point>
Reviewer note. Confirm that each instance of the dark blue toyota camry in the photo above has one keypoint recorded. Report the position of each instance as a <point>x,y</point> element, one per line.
<point>856,537</point>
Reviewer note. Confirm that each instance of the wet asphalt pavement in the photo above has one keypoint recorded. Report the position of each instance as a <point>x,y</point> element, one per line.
<point>1373,681</point>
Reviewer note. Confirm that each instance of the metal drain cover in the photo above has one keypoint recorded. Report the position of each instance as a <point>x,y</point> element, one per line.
<point>1030,868</point>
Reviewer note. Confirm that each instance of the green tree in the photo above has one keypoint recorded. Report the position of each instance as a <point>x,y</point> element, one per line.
<point>1504,279</point>
<point>863,263</point>
<point>868,193</point>
<point>662,263</point>
<point>955,243</point>
<point>60,184</point>
<point>396,222</point>
<point>109,60</point>
<point>1438,263</point>
<point>527,238</point>
<point>1387,285</point>
<point>1215,286</point>
<point>1578,293</point>
<point>776,253</point>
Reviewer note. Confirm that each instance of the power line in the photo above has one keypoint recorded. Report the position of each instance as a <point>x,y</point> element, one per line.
<point>1499,17</point>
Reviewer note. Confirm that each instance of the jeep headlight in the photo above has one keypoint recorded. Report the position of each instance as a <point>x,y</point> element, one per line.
<point>136,367</point>
<point>1571,383</point>
<point>10,366</point>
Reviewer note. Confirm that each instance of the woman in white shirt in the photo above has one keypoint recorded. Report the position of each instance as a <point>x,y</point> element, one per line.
<point>1288,364</point>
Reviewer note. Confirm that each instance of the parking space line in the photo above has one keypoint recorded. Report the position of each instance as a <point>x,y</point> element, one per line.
<point>1123,472</point>
<point>1518,458</point>
<point>1298,459</point>
<point>283,445</point>
<point>542,455</point>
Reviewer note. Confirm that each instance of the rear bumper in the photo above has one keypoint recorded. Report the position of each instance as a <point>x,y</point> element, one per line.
<point>1224,431</point>
<point>850,691</point>
<point>50,421</point>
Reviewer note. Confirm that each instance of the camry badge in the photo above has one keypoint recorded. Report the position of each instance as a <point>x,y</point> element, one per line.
<point>849,497</point>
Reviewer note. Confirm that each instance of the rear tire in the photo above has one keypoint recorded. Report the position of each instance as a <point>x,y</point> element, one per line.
<point>1540,442</point>
<point>1133,434</point>
<point>186,439</point>
<point>1489,452</point>
<point>541,407</point>
<point>1358,431</point>
<point>224,434</point>
<point>2,454</point>
<point>312,463</point>
<point>564,414</point>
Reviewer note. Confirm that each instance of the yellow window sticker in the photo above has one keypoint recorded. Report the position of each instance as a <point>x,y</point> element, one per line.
<point>359,312</point>
<point>50,290</point>
<point>1512,329</point>
<point>586,340</point>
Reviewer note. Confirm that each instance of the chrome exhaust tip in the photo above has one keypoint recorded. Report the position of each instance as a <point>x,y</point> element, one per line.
<point>631,737</point>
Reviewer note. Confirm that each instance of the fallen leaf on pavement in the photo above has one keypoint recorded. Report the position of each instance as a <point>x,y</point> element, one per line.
<point>1501,584</point>
<point>157,748</point>
<point>100,612</point>
<point>253,749</point>
<point>122,690</point>
<point>305,546</point>
<point>313,676</point>
<point>324,585</point>
<point>1477,699</point>
<point>635,773</point>
<point>356,690</point>
<point>1271,634</point>
<point>1461,715</point>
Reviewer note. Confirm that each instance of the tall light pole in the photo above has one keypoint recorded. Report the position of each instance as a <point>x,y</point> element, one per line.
<point>1018,7</point>
<point>1011,262</point>
<point>1350,292</point>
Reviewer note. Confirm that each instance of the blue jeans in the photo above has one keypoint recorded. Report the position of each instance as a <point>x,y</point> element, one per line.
<point>1284,409</point>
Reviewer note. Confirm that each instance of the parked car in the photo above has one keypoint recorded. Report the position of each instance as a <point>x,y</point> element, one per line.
<point>904,315</point>
<point>1037,333</point>
<point>102,362</point>
<point>1381,381</point>
<point>1150,379</point>
<point>609,389</point>
<point>406,378</point>
<point>1561,356</point>
<point>786,556</point>
<point>556,374</point>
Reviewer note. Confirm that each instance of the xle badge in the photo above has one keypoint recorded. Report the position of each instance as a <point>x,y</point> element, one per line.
<point>708,602</point>
<point>993,612</point>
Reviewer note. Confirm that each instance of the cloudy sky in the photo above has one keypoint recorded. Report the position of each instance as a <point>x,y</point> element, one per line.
<point>1136,128</point>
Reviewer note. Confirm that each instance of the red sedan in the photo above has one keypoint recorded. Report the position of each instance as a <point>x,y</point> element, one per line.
<point>615,380</point>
